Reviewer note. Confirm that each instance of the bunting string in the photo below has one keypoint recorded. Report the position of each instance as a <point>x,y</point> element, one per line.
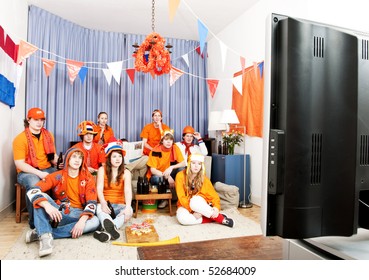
<point>114,69</point>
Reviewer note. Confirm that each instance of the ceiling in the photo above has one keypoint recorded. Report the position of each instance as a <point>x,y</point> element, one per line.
<point>135,16</point>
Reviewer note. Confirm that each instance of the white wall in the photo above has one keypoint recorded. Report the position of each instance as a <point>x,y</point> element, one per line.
<point>13,18</point>
<point>246,36</point>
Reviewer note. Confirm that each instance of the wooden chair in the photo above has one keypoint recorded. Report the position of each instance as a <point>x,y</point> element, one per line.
<point>20,202</point>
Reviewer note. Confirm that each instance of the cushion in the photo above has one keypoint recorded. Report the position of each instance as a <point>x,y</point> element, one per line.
<point>229,195</point>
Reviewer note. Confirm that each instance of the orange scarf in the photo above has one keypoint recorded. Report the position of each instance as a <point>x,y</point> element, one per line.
<point>48,146</point>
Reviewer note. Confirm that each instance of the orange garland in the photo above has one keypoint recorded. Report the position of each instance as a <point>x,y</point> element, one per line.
<point>158,60</point>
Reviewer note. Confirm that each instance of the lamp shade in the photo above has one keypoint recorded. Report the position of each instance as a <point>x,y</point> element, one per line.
<point>214,121</point>
<point>229,117</point>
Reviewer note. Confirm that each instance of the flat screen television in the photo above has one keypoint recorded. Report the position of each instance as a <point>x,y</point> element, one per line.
<point>316,129</point>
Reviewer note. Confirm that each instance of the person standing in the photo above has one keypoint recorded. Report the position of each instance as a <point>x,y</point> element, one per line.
<point>151,133</point>
<point>94,154</point>
<point>187,145</point>
<point>34,154</point>
<point>104,131</point>
<point>114,192</point>
<point>164,162</point>
<point>72,213</point>
<point>198,202</point>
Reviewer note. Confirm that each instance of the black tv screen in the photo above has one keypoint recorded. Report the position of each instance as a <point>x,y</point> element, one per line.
<point>318,153</point>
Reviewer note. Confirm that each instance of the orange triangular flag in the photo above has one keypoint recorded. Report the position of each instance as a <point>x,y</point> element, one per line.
<point>131,74</point>
<point>152,73</point>
<point>48,66</point>
<point>25,50</point>
<point>212,84</point>
<point>73,69</point>
<point>173,6</point>
<point>174,75</point>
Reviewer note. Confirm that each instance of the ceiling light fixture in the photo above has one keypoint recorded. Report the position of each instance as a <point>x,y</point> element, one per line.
<point>151,56</point>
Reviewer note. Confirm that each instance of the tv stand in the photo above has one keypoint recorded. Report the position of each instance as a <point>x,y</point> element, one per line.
<point>355,247</point>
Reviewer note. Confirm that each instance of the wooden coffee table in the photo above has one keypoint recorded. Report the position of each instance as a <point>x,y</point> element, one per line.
<point>150,196</point>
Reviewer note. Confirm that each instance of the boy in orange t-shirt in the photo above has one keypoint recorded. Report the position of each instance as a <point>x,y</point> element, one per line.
<point>94,153</point>
<point>164,163</point>
<point>74,208</point>
<point>34,154</point>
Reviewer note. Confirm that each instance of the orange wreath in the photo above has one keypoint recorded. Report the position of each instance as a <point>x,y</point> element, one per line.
<point>158,61</point>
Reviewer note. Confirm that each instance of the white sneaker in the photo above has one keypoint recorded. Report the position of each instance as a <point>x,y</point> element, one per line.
<point>46,245</point>
<point>163,204</point>
<point>31,236</point>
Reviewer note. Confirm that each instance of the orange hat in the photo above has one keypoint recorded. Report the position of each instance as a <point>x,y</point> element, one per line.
<point>114,145</point>
<point>87,127</point>
<point>35,113</point>
<point>166,132</point>
<point>188,129</point>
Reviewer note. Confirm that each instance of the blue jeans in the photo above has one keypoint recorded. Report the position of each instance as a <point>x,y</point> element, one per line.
<point>29,180</point>
<point>42,221</point>
<point>119,220</point>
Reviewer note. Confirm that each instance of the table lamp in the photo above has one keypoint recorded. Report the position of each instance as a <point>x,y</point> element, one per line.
<point>214,123</point>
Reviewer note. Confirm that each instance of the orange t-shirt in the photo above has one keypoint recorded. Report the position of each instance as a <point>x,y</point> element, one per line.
<point>73,192</point>
<point>114,193</point>
<point>163,162</point>
<point>207,191</point>
<point>20,149</point>
<point>108,133</point>
<point>153,135</point>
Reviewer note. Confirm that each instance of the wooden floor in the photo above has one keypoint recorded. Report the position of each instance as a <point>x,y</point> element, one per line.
<point>11,231</point>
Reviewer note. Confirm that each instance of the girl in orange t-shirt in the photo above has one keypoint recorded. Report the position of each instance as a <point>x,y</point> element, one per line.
<point>104,132</point>
<point>114,192</point>
<point>152,132</point>
<point>198,202</point>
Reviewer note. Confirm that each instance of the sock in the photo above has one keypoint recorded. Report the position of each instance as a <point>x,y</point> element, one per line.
<point>206,220</point>
<point>219,219</point>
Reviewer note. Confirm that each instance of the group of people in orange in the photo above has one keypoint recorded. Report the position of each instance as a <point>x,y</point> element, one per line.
<point>91,191</point>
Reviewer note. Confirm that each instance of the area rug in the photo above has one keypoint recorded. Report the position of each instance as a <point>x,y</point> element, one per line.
<point>86,247</point>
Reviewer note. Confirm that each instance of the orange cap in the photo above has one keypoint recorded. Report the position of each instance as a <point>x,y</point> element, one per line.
<point>188,129</point>
<point>35,113</point>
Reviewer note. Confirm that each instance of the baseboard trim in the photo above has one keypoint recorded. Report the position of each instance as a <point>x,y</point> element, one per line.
<point>7,210</point>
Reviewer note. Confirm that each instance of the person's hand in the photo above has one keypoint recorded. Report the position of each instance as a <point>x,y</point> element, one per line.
<point>53,212</point>
<point>127,212</point>
<point>167,172</point>
<point>78,228</point>
<point>197,135</point>
<point>105,208</point>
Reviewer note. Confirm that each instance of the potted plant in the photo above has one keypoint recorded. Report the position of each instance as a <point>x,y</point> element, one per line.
<point>231,139</point>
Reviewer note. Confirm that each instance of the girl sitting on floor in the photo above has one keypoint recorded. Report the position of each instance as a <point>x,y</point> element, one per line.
<point>198,202</point>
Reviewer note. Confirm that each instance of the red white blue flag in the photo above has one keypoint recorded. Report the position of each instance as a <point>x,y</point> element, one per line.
<point>10,71</point>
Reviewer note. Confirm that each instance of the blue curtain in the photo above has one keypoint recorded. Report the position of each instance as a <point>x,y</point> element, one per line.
<point>129,106</point>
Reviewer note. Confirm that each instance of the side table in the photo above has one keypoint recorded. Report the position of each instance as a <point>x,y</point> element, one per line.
<point>150,196</point>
